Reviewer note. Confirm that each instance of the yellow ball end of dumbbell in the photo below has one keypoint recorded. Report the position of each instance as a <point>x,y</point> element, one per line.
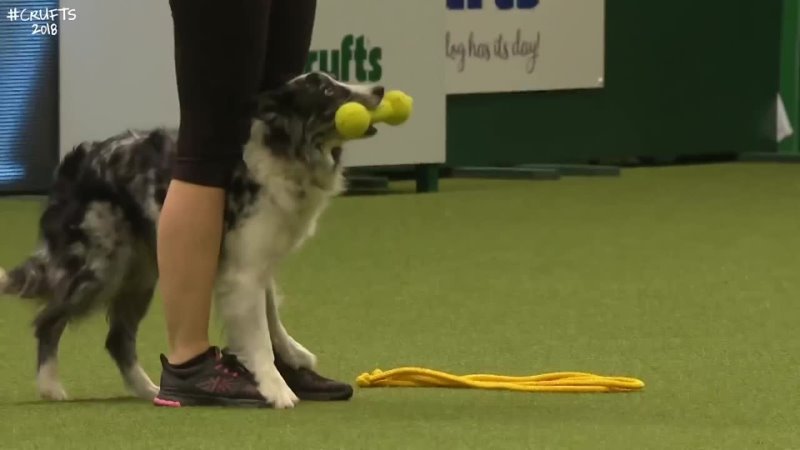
<point>352,120</point>
<point>402,105</point>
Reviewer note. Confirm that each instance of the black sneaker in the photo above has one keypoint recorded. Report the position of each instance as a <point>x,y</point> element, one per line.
<point>210,379</point>
<point>309,385</point>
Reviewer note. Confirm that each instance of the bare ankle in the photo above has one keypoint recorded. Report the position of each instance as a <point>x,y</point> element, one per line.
<point>183,353</point>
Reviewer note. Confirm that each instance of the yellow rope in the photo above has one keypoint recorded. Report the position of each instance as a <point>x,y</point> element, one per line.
<point>549,382</point>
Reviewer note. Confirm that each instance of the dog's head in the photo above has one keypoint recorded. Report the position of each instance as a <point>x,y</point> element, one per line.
<point>298,117</point>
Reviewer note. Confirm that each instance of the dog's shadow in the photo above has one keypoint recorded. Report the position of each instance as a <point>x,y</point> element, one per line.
<point>121,400</point>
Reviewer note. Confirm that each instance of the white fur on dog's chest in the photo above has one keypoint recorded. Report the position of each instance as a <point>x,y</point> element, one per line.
<point>282,217</point>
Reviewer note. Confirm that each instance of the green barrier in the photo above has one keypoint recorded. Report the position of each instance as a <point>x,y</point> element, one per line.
<point>683,78</point>
<point>790,71</point>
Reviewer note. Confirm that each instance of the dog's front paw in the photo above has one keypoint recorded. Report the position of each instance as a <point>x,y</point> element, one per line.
<point>298,357</point>
<point>273,387</point>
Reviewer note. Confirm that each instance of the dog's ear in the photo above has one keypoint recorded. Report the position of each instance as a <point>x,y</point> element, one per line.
<point>290,102</point>
<point>314,80</point>
<point>276,108</point>
<point>274,101</point>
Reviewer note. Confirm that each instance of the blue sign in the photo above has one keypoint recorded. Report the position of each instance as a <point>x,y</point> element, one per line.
<point>500,4</point>
<point>23,55</point>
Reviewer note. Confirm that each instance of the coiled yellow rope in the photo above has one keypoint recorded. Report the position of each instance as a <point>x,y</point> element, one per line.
<point>549,382</point>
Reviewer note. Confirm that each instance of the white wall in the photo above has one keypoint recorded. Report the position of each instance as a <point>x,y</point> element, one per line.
<point>117,70</point>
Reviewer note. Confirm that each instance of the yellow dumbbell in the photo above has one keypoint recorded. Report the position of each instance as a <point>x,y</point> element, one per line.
<point>354,119</point>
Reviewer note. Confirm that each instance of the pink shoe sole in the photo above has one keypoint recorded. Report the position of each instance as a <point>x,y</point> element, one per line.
<point>168,403</point>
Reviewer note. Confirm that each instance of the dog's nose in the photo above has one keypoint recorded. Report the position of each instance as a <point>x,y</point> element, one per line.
<point>378,91</point>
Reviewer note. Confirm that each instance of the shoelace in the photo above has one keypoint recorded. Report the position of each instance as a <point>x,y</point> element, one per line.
<point>232,365</point>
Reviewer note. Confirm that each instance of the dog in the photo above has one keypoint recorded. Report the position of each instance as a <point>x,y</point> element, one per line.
<point>98,233</point>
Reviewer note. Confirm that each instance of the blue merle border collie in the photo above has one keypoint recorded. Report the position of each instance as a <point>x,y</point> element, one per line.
<point>98,233</point>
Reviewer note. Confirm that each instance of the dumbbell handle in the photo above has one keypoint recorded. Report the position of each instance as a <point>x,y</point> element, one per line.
<point>394,109</point>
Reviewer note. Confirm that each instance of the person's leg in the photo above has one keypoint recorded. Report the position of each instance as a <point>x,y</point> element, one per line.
<point>218,60</point>
<point>189,234</point>
<point>291,25</point>
<point>219,52</point>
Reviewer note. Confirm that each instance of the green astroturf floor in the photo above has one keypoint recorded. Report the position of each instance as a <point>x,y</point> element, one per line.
<point>684,277</point>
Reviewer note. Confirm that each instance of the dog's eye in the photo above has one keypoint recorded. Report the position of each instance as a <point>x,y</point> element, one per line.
<point>328,91</point>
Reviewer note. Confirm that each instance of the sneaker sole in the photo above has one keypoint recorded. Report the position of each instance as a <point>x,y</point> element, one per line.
<point>323,396</point>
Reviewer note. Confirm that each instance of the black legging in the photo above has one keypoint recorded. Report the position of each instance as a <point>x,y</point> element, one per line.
<point>223,56</point>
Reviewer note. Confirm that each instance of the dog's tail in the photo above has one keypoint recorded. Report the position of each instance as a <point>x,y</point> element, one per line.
<point>27,280</point>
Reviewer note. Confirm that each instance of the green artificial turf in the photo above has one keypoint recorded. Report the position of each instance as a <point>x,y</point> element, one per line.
<point>684,277</point>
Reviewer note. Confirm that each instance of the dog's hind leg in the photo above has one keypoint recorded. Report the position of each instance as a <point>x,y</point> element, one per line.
<point>29,280</point>
<point>74,296</point>
<point>291,351</point>
<point>48,333</point>
<point>129,308</point>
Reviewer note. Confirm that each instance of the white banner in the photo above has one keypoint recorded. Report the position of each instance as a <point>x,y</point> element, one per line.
<point>524,45</point>
<point>392,44</point>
